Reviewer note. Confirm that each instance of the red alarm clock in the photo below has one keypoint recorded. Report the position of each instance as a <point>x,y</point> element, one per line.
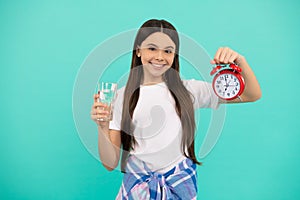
<point>228,82</point>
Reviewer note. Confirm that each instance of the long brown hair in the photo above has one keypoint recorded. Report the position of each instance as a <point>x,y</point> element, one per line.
<point>182,97</point>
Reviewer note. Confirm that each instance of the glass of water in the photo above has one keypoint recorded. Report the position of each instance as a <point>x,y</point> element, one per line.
<point>107,92</point>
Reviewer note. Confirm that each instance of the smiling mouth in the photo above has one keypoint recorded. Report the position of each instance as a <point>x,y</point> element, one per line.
<point>157,66</point>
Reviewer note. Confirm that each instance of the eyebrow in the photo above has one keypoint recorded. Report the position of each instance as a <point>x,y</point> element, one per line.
<point>168,47</point>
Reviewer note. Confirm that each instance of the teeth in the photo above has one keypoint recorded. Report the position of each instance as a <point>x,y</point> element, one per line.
<point>157,65</point>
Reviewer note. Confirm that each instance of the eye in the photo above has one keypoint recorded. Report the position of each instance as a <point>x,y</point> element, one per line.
<point>168,51</point>
<point>151,48</point>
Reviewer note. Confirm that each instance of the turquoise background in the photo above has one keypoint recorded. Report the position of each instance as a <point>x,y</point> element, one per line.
<point>44,43</point>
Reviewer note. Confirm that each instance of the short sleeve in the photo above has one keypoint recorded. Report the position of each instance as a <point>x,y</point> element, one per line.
<point>203,95</point>
<point>115,124</point>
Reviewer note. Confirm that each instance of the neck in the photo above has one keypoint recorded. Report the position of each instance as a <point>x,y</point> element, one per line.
<point>152,81</point>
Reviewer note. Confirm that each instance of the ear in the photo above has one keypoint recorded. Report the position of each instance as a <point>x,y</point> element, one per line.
<point>137,50</point>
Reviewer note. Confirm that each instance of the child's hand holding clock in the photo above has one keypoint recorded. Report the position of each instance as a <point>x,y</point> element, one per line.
<point>228,82</point>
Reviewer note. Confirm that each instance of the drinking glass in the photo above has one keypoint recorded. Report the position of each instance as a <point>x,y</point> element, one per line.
<point>107,92</point>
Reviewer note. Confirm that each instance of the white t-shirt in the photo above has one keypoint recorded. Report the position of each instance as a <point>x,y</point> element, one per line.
<point>157,127</point>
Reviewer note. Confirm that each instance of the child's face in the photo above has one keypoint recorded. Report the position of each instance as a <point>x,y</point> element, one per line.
<point>157,53</point>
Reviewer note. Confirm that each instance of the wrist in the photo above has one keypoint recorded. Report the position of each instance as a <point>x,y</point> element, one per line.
<point>104,126</point>
<point>240,60</point>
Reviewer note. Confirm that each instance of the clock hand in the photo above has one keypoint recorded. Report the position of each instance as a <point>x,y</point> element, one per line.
<point>227,84</point>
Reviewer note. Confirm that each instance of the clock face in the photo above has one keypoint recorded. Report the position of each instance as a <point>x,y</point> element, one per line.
<point>227,86</point>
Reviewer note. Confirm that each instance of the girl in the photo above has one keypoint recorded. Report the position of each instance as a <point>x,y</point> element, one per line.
<point>153,117</point>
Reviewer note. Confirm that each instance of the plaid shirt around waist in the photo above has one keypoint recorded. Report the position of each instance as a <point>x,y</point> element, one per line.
<point>141,183</point>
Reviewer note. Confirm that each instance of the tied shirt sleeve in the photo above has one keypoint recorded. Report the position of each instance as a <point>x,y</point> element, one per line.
<point>203,95</point>
<point>115,123</point>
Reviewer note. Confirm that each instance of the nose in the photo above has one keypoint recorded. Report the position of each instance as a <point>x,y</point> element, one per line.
<point>159,55</point>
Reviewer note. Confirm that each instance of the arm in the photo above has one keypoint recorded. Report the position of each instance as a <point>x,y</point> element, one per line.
<point>252,91</point>
<point>109,141</point>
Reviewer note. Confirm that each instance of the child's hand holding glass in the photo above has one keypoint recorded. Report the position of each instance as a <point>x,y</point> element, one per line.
<point>103,103</point>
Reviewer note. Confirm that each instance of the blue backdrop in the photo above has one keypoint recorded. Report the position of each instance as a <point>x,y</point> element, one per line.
<point>44,43</point>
